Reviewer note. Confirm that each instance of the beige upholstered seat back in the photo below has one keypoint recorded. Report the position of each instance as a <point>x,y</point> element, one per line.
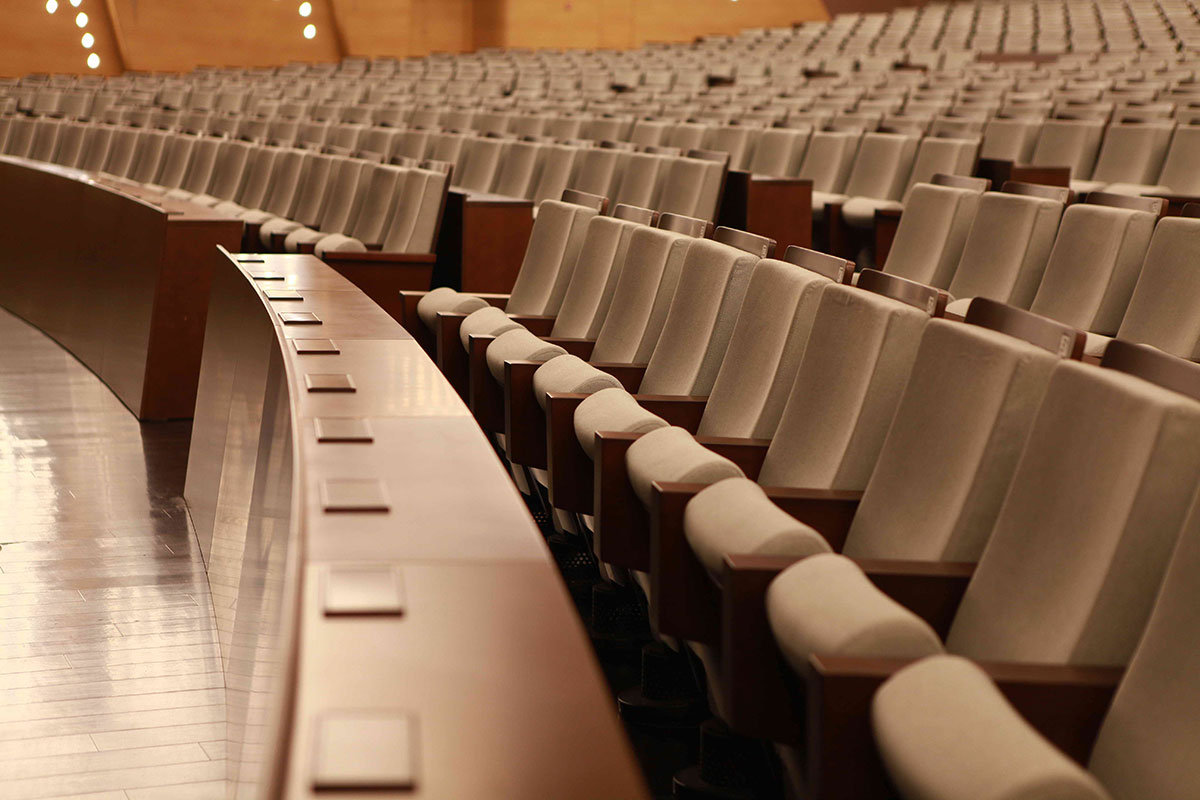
<point>764,351</point>
<point>175,161</point>
<point>1148,743</point>
<point>290,170</point>
<point>345,192</point>
<point>933,231</point>
<point>554,172</point>
<point>700,320</point>
<point>482,162</point>
<point>589,293</point>
<point>1094,266</point>
<point>384,185</point>
<point>230,169</point>
<point>1181,168</point>
<point>518,171</point>
<point>203,163</point>
<point>1165,308</point>
<point>1007,248</point>
<point>949,457</point>
<point>1010,139</point>
<point>1082,539</point>
<point>882,166</point>
<point>550,258</point>
<point>152,148</point>
<point>1133,152</point>
<point>425,219</point>
<point>642,296</point>
<point>779,152</point>
<point>941,155</point>
<point>829,158</point>
<point>1069,143</point>
<point>854,370</point>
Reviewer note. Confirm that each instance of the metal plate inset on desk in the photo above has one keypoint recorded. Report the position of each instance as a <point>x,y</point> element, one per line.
<point>315,346</point>
<point>364,750</point>
<point>267,275</point>
<point>343,429</point>
<point>329,382</point>
<point>299,318</point>
<point>365,589</point>
<point>248,258</point>
<point>354,494</point>
<point>282,294</point>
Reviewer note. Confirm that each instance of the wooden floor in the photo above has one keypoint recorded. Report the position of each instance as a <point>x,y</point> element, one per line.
<point>110,676</point>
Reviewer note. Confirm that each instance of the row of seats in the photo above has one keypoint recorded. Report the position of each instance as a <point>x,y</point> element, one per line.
<point>729,395</point>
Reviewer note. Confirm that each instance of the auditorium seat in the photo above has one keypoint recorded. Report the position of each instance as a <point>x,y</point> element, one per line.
<point>1132,153</point>
<point>945,711</point>
<point>320,171</point>
<point>1067,142</point>
<point>933,229</point>
<point>1008,245</point>
<point>1095,262</point>
<point>881,168</point>
<point>1179,174</point>
<point>1065,516</point>
<point>1164,310</point>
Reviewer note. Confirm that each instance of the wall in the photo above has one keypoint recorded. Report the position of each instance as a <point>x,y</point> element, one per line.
<point>630,23</point>
<point>175,35</point>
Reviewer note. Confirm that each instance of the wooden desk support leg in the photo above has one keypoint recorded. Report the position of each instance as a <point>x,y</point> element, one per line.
<point>524,420</point>
<point>780,208</point>
<point>622,535</point>
<point>887,222</point>
<point>569,466</point>
<point>839,232</point>
<point>451,357</point>
<point>495,235</point>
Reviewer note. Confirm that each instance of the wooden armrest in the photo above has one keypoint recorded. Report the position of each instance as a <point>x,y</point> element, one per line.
<point>277,242</point>
<point>251,241</point>
<point>484,199</point>
<point>570,468</point>
<point>452,359</point>
<point>524,420</point>
<point>411,322</point>
<point>307,248</point>
<point>827,511</point>
<point>748,454</point>
<point>1048,176</point>
<point>684,602</point>
<point>630,375</point>
<point>486,396</point>
<point>376,257</point>
<point>537,325</point>
<point>932,590</point>
<point>683,411</point>
<point>1066,704</point>
<point>622,533</point>
<point>838,231</point>
<point>582,348</point>
<point>1176,202</point>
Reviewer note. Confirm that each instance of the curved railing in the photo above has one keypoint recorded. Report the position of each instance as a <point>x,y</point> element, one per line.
<point>390,618</point>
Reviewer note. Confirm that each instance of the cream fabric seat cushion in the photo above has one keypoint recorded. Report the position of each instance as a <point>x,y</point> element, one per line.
<point>1137,189</point>
<point>859,212</point>
<point>486,321</point>
<point>570,374</point>
<point>612,409</point>
<point>736,516</point>
<point>822,199</point>
<point>518,344</point>
<point>945,732</point>
<point>673,455</point>
<point>826,605</point>
<point>339,243</point>
<point>301,236</point>
<point>277,225</point>
<point>446,299</point>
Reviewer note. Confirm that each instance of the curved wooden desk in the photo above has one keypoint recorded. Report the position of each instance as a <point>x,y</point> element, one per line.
<point>115,273</point>
<point>390,617</point>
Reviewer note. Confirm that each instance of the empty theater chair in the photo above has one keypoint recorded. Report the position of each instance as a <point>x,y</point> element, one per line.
<point>832,425</point>
<point>1179,174</point>
<point>1066,142</point>
<point>827,162</point>
<point>122,153</point>
<point>945,728</point>
<point>222,160</point>
<point>693,185</point>
<point>933,230</point>
<point>383,185</point>
<point>341,207</point>
<point>46,132</point>
<point>934,156</point>
<point>751,386</point>
<point>881,169</point>
<point>1065,515</point>
<point>291,169</point>
<point>70,144</point>
<point>1164,311</point>
<point>1009,243</point>
<point>252,193</point>
<point>1095,262</point>
<point>152,149</point>
<point>779,152</point>
<point>320,172</point>
<point>1132,153</point>
<point>541,282</point>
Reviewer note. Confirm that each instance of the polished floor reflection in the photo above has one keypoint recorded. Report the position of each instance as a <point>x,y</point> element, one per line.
<point>110,674</point>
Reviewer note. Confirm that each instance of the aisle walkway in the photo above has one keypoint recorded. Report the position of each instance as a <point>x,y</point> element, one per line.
<point>110,676</point>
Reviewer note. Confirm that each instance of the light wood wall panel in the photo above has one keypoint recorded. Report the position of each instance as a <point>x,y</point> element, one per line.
<point>174,35</point>
<point>33,41</point>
